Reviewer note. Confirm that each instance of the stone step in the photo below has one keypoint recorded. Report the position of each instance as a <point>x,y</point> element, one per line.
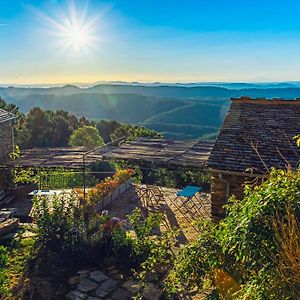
<point>9,226</point>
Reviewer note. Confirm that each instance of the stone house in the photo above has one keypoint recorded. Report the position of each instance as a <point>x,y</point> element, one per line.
<point>257,134</point>
<point>6,133</point>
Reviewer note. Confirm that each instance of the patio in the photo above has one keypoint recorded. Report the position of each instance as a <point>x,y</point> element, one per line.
<point>176,210</point>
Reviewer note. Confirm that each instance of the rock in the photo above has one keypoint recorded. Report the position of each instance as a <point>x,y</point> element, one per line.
<point>98,276</point>
<point>121,294</point>
<point>74,280</point>
<point>93,298</point>
<point>86,286</point>
<point>117,276</point>
<point>8,226</point>
<point>106,288</point>
<point>76,295</point>
<point>151,292</point>
<point>83,274</point>
<point>132,285</point>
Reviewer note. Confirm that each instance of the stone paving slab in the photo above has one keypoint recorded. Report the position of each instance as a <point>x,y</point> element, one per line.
<point>95,285</point>
<point>86,286</point>
<point>98,276</point>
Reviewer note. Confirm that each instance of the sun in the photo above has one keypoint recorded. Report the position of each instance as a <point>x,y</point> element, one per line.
<point>73,28</point>
<point>77,35</point>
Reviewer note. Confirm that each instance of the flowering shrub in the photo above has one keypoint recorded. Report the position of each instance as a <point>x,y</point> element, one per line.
<point>107,186</point>
<point>123,175</point>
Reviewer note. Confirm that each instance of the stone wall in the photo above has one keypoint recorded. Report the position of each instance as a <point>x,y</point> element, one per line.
<point>6,139</point>
<point>219,190</point>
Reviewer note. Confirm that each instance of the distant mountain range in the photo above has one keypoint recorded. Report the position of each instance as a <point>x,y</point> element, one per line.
<point>230,85</point>
<point>180,111</point>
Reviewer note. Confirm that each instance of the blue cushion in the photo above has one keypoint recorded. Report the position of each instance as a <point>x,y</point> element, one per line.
<point>189,191</point>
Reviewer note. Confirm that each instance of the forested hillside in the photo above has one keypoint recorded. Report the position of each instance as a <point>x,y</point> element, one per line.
<point>48,128</point>
<point>179,112</point>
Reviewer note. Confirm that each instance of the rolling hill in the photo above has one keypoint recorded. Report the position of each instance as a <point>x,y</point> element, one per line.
<point>180,112</point>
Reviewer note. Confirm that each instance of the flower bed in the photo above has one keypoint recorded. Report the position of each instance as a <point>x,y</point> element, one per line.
<point>108,190</point>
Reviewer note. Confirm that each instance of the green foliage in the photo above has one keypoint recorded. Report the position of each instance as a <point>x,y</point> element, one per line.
<point>22,175</point>
<point>242,246</point>
<point>10,108</point>
<point>176,178</point>
<point>3,262</point>
<point>72,229</point>
<point>131,132</point>
<point>55,222</point>
<point>47,128</point>
<point>18,256</point>
<point>145,247</point>
<point>87,136</point>
<point>247,235</point>
<point>107,128</point>
<point>195,262</point>
<point>246,232</point>
<point>61,179</point>
<point>297,139</point>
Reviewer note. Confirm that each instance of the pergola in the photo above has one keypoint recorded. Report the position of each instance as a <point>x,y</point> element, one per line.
<point>67,158</point>
<point>166,153</point>
<point>162,152</point>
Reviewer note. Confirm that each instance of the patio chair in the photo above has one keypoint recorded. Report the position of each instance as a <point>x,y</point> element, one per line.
<point>152,197</point>
<point>156,196</point>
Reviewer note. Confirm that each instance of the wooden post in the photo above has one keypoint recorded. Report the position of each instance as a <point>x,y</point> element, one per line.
<point>84,177</point>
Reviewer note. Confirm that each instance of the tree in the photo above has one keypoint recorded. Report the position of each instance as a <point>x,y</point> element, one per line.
<point>87,136</point>
<point>38,127</point>
<point>133,131</point>
<point>106,128</point>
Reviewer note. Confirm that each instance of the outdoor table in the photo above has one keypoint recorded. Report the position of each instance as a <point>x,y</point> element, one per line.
<point>189,192</point>
<point>44,193</point>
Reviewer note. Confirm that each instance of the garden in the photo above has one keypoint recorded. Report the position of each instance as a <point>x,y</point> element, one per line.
<point>252,254</point>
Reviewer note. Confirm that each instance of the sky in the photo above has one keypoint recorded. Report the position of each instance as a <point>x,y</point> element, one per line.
<point>59,41</point>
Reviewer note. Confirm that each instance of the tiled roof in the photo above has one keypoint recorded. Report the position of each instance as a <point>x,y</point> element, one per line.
<point>257,134</point>
<point>6,116</point>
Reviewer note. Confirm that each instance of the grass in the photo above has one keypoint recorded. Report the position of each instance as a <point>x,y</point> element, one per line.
<point>33,274</point>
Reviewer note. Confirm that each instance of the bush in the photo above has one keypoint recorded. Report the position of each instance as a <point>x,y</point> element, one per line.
<point>63,224</point>
<point>107,186</point>
<point>195,262</point>
<point>287,239</point>
<point>3,262</point>
<point>247,233</point>
<point>249,248</point>
<point>150,253</point>
<point>56,220</point>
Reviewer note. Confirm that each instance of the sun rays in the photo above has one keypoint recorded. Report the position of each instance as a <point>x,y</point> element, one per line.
<point>74,28</point>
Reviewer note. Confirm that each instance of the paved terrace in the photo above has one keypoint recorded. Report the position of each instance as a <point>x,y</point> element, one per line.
<point>178,212</point>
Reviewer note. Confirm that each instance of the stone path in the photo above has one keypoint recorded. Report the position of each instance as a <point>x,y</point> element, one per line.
<point>95,285</point>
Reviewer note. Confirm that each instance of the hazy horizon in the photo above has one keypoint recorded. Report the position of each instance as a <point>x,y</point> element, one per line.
<point>149,83</point>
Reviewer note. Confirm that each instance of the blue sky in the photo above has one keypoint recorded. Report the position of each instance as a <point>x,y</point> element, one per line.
<point>132,40</point>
